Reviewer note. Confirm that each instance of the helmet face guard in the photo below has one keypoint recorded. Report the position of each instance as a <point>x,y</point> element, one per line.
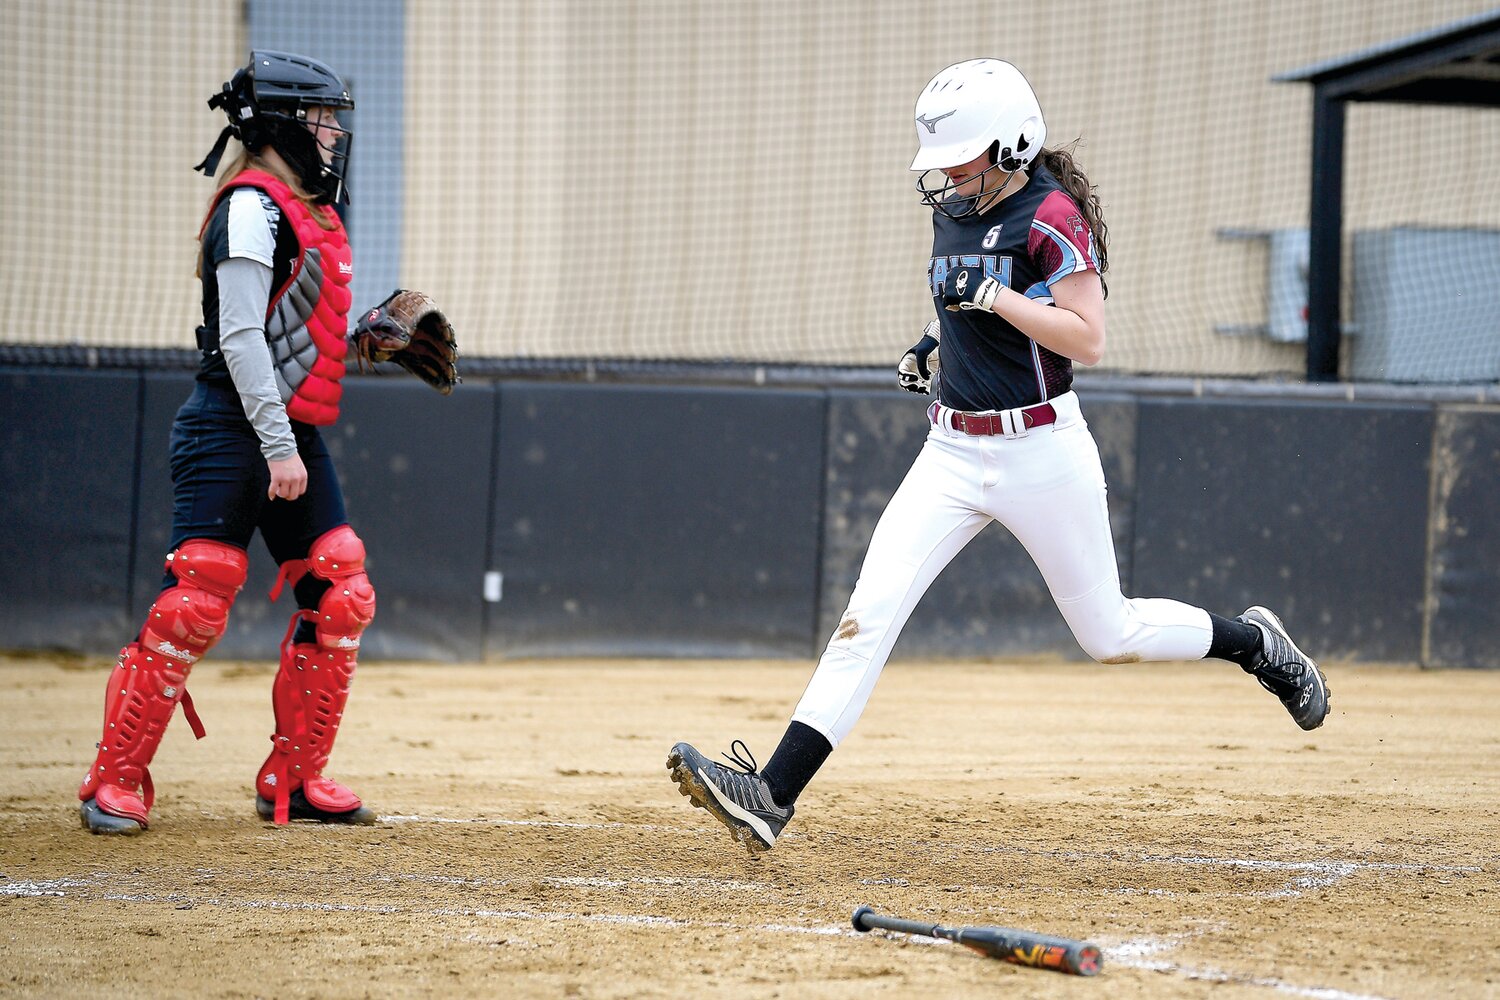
<point>267,103</point>
<point>940,193</point>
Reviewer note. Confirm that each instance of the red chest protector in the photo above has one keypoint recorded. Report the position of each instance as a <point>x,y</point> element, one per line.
<point>306,330</point>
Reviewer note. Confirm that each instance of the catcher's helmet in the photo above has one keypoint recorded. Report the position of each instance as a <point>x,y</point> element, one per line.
<point>968,109</point>
<point>267,102</point>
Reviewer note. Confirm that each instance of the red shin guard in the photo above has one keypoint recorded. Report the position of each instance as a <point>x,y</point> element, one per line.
<point>151,675</point>
<point>312,685</point>
<point>309,695</point>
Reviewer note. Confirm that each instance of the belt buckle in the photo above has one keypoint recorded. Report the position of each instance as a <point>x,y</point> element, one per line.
<point>982,424</point>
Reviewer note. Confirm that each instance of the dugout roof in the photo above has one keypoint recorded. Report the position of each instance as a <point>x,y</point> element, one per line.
<point>1458,64</point>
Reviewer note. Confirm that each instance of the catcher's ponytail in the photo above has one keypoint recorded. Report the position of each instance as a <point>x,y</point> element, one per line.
<point>1062,166</point>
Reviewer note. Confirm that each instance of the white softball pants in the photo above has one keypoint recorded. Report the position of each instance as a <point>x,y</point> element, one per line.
<point>1047,487</point>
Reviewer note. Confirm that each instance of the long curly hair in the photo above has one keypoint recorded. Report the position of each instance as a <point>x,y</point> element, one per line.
<point>1064,167</point>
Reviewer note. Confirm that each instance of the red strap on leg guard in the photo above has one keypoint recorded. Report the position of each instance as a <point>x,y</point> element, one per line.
<point>274,781</point>
<point>291,572</point>
<point>276,775</point>
<point>191,715</point>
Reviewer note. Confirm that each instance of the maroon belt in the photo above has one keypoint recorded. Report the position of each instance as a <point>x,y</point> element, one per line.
<point>994,423</point>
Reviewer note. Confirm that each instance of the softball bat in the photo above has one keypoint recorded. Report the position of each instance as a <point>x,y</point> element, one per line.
<point>1038,951</point>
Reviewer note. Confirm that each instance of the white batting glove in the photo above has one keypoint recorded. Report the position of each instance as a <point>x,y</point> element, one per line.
<point>920,364</point>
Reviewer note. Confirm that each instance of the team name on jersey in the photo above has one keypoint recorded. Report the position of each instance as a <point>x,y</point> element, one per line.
<point>995,266</point>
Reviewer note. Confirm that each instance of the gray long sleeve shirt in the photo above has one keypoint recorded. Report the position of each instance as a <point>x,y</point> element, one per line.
<point>244,293</point>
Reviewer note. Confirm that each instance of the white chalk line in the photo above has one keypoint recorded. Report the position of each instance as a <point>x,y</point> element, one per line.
<point>1241,979</point>
<point>1130,954</point>
<point>1137,954</point>
<point>1314,874</point>
<point>583,882</point>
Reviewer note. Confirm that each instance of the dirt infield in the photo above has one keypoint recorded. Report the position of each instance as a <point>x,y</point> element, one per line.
<point>531,843</point>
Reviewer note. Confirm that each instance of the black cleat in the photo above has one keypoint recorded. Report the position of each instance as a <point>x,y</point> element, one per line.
<point>1286,671</point>
<point>96,820</point>
<point>300,808</point>
<point>738,798</point>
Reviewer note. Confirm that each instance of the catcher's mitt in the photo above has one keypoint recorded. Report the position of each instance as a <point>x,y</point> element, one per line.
<point>409,329</point>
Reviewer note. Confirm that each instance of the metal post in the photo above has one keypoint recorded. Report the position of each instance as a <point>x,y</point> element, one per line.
<point>1325,238</point>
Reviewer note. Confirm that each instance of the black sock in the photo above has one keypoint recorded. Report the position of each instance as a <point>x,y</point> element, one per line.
<point>802,751</point>
<point>1235,641</point>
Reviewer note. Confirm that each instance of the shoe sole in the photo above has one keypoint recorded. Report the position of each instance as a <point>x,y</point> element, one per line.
<point>701,794</point>
<point>1323,687</point>
<point>266,810</point>
<point>97,821</point>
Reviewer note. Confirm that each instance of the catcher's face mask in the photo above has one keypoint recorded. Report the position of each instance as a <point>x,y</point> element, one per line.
<point>316,145</point>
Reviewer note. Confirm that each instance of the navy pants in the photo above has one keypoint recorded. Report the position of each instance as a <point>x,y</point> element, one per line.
<point>219,484</point>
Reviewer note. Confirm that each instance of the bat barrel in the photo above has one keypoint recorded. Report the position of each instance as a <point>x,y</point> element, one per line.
<point>1038,951</point>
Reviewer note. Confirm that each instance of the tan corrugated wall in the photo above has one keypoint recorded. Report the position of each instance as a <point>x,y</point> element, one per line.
<point>652,179</point>
<point>101,119</point>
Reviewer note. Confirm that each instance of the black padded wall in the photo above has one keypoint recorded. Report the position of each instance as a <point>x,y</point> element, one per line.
<point>559,519</point>
<point>1317,510</point>
<point>1464,607</point>
<point>657,521</point>
<point>67,495</point>
<point>417,470</point>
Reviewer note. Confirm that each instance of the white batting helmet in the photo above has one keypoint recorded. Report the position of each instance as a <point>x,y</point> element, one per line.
<point>969,108</point>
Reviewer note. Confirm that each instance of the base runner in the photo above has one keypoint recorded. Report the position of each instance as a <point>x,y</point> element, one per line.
<point>1016,279</point>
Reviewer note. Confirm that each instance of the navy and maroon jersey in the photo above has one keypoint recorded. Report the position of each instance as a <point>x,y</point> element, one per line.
<point>247,223</point>
<point>1028,241</point>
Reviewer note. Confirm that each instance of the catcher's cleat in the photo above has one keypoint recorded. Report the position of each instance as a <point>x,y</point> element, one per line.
<point>1286,671</point>
<point>96,820</point>
<point>738,798</point>
<point>300,808</point>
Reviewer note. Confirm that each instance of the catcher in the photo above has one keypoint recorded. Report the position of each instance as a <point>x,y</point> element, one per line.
<point>247,454</point>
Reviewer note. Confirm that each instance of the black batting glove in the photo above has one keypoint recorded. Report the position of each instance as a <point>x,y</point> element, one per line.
<point>968,288</point>
<point>920,364</point>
